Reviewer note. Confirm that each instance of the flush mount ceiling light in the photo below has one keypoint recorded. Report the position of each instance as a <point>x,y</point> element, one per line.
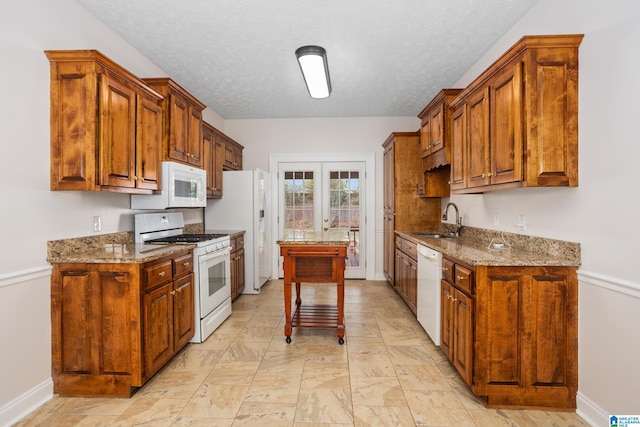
<point>313,63</point>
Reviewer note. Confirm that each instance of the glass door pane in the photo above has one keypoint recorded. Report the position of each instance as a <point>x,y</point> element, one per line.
<point>299,197</point>
<point>343,190</point>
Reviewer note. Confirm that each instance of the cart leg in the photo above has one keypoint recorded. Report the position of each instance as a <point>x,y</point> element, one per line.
<point>298,299</point>
<point>287,310</point>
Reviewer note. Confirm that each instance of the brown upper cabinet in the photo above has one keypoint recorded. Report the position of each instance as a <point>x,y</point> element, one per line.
<point>516,125</point>
<point>106,126</point>
<point>212,159</point>
<point>435,144</point>
<point>182,122</point>
<point>232,154</point>
<point>435,129</point>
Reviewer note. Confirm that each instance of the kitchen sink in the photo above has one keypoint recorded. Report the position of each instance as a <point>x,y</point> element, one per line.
<point>434,235</point>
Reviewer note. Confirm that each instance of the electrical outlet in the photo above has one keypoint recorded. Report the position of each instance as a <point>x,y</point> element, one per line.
<point>496,220</point>
<point>97,223</point>
<point>522,222</point>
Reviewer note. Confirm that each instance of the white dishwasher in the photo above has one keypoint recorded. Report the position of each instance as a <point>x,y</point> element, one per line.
<point>429,275</point>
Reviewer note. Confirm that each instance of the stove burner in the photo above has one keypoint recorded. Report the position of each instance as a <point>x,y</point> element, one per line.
<point>187,238</point>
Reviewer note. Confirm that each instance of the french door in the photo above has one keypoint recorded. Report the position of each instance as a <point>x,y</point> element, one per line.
<point>321,197</point>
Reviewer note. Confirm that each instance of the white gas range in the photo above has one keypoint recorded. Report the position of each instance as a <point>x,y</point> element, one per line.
<point>211,266</point>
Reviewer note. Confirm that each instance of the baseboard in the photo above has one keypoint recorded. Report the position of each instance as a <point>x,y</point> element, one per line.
<point>590,412</point>
<point>26,403</point>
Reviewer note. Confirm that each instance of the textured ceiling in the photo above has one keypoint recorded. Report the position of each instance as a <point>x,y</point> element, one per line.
<point>386,57</point>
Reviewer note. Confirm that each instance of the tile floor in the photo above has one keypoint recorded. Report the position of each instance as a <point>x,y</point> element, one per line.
<point>388,373</point>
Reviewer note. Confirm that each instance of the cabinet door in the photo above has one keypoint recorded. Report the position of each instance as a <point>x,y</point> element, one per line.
<point>218,161</point>
<point>183,311</point>
<point>412,284</point>
<point>117,117</point>
<point>208,160</point>
<point>148,143</point>
<point>399,272</point>
<point>506,126</point>
<point>436,140</point>
<point>240,282</point>
<point>194,141</point>
<point>478,155</point>
<point>463,335</point>
<point>95,329</point>
<point>459,148</point>
<point>158,328</point>
<point>388,200</point>
<point>212,161</point>
<point>179,117</point>
<point>425,136</point>
<point>234,276</point>
<point>446,318</point>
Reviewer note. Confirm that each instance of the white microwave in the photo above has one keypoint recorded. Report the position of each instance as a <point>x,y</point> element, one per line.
<point>182,187</point>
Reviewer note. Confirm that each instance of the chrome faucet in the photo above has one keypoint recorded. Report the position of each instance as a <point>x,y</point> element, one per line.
<point>458,219</point>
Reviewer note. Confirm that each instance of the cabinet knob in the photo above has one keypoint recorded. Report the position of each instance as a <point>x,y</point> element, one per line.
<point>173,292</point>
<point>135,178</point>
<point>161,274</point>
<point>186,263</point>
<point>445,268</point>
<point>483,175</point>
<point>459,278</point>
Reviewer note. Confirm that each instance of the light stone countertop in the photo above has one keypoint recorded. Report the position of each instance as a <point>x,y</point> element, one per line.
<point>108,248</point>
<point>472,247</point>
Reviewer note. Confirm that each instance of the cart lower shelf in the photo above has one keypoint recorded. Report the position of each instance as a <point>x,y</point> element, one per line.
<point>317,316</point>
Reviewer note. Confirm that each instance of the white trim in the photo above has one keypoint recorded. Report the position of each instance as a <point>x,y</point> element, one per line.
<point>590,412</point>
<point>15,277</point>
<point>26,403</point>
<point>622,286</point>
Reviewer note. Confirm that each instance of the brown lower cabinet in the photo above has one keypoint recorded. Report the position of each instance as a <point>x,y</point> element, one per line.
<point>406,272</point>
<point>511,332</point>
<point>115,325</point>
<point>237,265</point>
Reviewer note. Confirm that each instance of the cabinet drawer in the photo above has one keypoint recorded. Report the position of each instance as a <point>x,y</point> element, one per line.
<point>447,270</point>
<point>158,274</point>
<point>464,279</point>
<point>183,265</point>
<point>410,249</point>
<point>239,243</point>
<point>399,242</point>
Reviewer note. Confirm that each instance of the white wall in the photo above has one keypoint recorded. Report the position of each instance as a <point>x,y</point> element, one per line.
<point>602,212</point>
<point>30,214</point>
<point>326,137</point>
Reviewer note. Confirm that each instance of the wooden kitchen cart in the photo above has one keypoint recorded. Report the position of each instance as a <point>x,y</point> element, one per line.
<point>315,262</point>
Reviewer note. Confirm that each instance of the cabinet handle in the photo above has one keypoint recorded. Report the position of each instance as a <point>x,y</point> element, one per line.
<point>161,274</point>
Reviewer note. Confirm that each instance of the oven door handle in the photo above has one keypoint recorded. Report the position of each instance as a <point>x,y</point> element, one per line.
<point>212,255</point>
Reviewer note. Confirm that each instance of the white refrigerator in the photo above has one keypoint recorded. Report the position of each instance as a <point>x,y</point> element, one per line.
<point>246,205</point>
